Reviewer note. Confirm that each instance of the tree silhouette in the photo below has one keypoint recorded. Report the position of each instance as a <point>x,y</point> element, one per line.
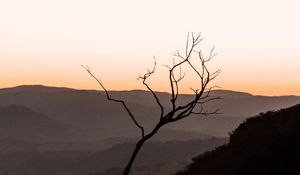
<point>177,112</point>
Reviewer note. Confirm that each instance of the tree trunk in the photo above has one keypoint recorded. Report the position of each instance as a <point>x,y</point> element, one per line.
<point>139,145</point>
<point>133,156</point>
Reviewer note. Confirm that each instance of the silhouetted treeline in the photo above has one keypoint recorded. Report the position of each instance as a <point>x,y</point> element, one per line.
<point>268,144</point>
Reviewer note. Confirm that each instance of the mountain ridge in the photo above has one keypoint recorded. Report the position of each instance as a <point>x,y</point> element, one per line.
<point>43,88</point>
<point>267,144</point>
<point>90,109</point>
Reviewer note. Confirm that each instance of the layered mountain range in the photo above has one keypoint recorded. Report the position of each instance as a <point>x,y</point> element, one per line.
<point>90,112</point>
<point>51,130</point>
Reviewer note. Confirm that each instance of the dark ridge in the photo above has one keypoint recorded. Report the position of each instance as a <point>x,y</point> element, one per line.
<point>268,144</point>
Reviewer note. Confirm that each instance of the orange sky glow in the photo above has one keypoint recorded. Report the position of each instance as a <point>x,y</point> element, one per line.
<point>46,42</point>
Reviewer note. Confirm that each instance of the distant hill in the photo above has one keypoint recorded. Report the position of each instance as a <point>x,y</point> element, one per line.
<point>268,144</point>
<point>49,130</point>
<point>152,153</point>
<point>34,88</point>
<point>179,135</point>
<point>90,111</point>
<point>24,130</point>
<point>231,94</point>
<point>83,161</point>
<point>9,145</point>
<point>19,122</point>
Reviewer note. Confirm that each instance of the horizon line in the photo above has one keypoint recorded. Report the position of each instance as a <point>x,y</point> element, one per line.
<point>128,90</point>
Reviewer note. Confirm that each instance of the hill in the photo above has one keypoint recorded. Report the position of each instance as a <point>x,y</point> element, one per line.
<point>90,111</point>
<point>34,88</point>
<point>8,145</point>
<point>24,130</point>
<point>84,161</point>
<point>19,122</point>
<point>268,144</point>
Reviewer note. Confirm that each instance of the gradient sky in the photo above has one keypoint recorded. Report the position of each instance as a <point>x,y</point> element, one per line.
<point>46,41</point>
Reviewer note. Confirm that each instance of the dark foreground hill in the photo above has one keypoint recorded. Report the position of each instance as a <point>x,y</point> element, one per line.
<point>263,145</point>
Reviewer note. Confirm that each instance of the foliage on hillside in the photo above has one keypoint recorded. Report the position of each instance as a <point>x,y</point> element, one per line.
<point>266,144</point>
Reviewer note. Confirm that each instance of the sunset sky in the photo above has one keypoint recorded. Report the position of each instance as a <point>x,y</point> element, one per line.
<point>46,41</point>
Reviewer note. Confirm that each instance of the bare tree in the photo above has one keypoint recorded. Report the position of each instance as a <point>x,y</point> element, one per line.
<point>177,112</point>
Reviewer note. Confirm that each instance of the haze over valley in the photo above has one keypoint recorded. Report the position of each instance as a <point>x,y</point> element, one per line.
<point>58,129</point>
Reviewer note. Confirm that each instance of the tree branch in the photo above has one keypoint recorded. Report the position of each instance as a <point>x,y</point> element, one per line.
<point>87,68</point>
<point>144,78</point>
<point>193,106</point>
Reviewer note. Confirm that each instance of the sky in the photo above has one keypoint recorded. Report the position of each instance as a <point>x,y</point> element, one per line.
<point>47,41</point>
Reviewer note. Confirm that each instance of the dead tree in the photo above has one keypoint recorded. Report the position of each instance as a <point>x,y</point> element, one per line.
<point>176,112</point>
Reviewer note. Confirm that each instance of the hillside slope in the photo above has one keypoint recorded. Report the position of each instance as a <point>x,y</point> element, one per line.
<point>20,122</point>
<point>266,144</point>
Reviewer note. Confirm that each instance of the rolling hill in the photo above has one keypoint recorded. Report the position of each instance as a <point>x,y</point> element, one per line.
<point>22,123</point>
<point>84,161</point>
<point>48,130</point>
<point>91,112</point>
